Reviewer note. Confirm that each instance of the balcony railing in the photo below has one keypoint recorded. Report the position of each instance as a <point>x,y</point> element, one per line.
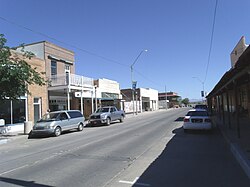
<point>70,80</point>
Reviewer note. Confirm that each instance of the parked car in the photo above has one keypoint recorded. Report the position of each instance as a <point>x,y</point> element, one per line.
<point>59,121</point>
<point>200,106</point>
<point>105,115</point>
<point>197,119</point>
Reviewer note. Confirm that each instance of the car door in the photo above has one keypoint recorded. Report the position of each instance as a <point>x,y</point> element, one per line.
<point>114,114</point>
<point>64,121</point>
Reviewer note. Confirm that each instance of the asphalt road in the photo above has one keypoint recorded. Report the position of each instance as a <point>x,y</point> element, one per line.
<point>147,150</point>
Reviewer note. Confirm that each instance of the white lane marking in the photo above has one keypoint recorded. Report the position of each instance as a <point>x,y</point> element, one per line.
<point>14,169</point>
<point>134,182</point>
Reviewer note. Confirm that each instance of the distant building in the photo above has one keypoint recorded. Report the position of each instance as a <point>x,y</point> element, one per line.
<point>145,99</point>
<point>172,99</point>
<point>108,92</point>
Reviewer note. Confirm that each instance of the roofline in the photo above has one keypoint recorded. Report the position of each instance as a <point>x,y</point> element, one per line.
<point>45,41</point>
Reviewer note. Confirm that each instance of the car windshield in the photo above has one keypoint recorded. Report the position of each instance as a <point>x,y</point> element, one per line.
<point>201,106</point>
<point>49,117</point>
<point>102,110</point>
<point>197,113</point>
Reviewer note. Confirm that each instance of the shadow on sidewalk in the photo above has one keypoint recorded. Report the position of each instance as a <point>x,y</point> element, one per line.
<point>194,160</point>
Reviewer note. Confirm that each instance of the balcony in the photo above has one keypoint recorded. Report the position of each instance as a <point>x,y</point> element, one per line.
<point>70,81</point>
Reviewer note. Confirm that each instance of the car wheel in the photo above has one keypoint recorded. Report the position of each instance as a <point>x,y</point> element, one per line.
<point>58,131</point>
<point>108,121</point>
<point>80,127</point>
<point>122,119</point>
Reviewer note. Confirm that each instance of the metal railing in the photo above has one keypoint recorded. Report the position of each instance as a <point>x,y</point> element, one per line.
<point>70,80</point>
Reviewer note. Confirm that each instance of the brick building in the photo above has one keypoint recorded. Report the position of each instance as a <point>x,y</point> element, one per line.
<point>28,107</point>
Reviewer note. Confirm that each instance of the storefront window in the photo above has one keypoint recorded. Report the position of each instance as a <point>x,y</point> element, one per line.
<point>18,111</point>
<point>5,111</point>
<point>13,111</point>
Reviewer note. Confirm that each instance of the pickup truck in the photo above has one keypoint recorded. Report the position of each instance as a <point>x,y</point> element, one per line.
<point>105,115</point>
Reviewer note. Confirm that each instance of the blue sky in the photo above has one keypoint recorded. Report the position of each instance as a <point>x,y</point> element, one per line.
<point>176,34</point>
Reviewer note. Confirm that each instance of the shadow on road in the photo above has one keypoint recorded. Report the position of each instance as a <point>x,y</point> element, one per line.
<point>21,182</point>
<point>194,160</point>
<point>179,119</point>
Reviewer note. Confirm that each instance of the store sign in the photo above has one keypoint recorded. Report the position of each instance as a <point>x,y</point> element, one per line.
<point>134,85</point>
<point>86,94</point>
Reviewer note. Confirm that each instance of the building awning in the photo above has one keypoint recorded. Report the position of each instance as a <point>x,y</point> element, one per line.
<point>241,67</point>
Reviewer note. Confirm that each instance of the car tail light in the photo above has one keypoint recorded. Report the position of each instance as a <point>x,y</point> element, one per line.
<point>186,120</point>
<point>208,120</point>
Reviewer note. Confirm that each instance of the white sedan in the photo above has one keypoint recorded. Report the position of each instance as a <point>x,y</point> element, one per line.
<point>197,119</point>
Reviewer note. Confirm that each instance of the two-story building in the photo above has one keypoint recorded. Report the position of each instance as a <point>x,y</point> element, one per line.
<point>59,66</point>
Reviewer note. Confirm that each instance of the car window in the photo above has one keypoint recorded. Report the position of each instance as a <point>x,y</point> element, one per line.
<point>102,110</point>
<point>197,113</point>
<point>49,117</point>
<point>75,114</point>
<point>201,106</point>
<point>63,116</point>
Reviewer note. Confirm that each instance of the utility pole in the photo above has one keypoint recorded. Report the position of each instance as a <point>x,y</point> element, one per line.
<point>133,83</point>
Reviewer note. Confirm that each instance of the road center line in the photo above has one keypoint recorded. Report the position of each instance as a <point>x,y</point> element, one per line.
<point>14,169</point>
<point>134,182</point>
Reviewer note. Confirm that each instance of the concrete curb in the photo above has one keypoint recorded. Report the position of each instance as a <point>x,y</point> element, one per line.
<point>241,158</point>
<point>237,153</point>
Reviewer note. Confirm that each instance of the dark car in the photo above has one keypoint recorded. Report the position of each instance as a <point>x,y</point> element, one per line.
<point>201,106</point>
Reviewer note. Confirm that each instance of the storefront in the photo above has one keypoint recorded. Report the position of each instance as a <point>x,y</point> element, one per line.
<point>13,112</point>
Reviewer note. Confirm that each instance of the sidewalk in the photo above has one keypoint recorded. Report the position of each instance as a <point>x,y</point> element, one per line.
<point>240,147</point>
<point>13,132</point>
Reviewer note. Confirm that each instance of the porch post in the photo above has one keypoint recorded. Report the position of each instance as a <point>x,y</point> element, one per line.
<point>68,91</point>
<point>68,96</point>
<point>222,108</point>
<point>95,98</point>
<point>82,97</point>
<point>92,100</point>
<point>228,110</point>
<point>237,110</point>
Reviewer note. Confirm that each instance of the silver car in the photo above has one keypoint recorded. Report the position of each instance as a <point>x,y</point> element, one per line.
<point>59,121</point>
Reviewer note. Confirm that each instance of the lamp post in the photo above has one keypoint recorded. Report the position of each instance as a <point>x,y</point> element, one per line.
<point>202,82</point>
<point>133,83</point>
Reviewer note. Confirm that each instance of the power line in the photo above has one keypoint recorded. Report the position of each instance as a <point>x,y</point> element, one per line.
<point>143,76</point>
<point>211,41</point>
<point>62,42</point>
<point>76,47</point>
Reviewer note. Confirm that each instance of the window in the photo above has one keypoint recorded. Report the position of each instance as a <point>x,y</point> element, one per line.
<point>74,114</point>
<point>53,67</point>
<point>67,67</point>
<point>63,116</point>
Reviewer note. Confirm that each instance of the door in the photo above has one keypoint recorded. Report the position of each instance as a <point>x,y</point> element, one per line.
<point>37,109</point>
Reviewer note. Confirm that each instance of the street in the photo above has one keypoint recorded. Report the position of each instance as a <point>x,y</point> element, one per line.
<point>150,149</point>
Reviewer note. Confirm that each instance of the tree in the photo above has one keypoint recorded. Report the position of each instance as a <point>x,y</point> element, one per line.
<point>15,73</point>
<point>185,101</point>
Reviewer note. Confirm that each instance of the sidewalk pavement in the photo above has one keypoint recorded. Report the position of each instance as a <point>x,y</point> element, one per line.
<point>240,147</point>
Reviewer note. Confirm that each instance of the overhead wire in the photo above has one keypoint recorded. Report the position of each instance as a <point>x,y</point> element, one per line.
<point>62,42</point>
<point>73,46</point>
<point>211,41</point>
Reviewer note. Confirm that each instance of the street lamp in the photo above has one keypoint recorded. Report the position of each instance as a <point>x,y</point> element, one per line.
<point>133,83</point>
<point>202,82</point>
